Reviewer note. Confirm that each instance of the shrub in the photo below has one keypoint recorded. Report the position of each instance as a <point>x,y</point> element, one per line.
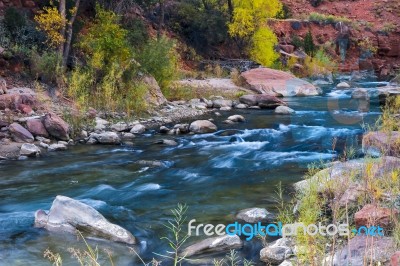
<point>159,59</point>
<point>309,46</point>
<point>45,66</point>
<point>263,47</point>
<point>14,21</point>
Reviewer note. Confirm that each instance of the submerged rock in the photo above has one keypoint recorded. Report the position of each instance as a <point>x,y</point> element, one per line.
<point>57,147</point>
<point>202,126</point>
<point>213,244</point>
<point>284,110</point>
<point>168,142</point>
<point>255,215</point>
<point>343,85</point>
<point>236,118</point>
<point>70,216</point>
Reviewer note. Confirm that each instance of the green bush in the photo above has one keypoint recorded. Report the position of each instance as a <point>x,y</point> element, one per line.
<point>309,46</point>
<point>45,66</point>
<point>14,21</point>
<point>159,59</point>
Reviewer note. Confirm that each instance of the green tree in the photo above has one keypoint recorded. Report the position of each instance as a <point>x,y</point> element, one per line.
<point>309,46</point>
<point>249,22</point>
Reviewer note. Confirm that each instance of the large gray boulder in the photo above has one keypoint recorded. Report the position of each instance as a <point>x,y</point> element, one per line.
<point>213,244</point>
<point>277,252</point>
<point>30,150</point>
<point>110,138</point>
<point>284,110</point>
<point>202,126</point>
<point>69,215</point>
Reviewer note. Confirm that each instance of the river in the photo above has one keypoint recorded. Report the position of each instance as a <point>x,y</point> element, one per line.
<point>216,175</point>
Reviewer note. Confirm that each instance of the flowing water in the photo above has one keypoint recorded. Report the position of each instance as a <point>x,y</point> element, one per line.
<point>215,174</point>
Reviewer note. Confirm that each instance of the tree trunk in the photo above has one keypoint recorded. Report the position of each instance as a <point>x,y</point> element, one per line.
<point>161,21</point>
<point>230,8</point>
<point>61,9</point>
<point>69,35</point>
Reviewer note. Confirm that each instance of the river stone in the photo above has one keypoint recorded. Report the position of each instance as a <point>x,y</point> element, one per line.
<point>219,103</point>
<point>236,118</point>
<point>241,106</point>
<point>255,215</point>
<point>30,150</point>
<point>277,252</point>
<point>225,108</point>
<point>168,142</point>
<point>377,143</point>
<point>358,251</point>
<point>202,126</point>
<point>343,85</point>
<point>101,124</point>
<point>284,110</point>
<point>213,244</point>
<point>111,138</point>
<point>56,127</point>
<point>138,129</point>
<point>286,263</point>
<point>261,100</point>
<point>36,127</point>
<point>120,127</point>
<point>181,128</point>
<point>360,94</point>
<point>57,147</point>
<point>19,133</point>
<point>69,215</point>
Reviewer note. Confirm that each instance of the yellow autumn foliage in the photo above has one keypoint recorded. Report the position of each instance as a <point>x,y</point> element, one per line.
<point>249,22</point>
<point>51,22</point>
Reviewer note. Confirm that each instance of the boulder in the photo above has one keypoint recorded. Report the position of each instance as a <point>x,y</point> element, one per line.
<point>181,129</point>
<point>70,216</point>
<point>213,244</point>
<point>343,85</point>
<point>36,127</point>
<point>110,138</point>
<point>241,106</point>
<point>57,147</point>
<point>19,133</point>
<point>101,124</point>
<point>381,143</point>
<point>277,83</point>
<point>284,110</point>
<point>164,130</point>
<point>29,150</point>
<point>202,127</point>
<point>236,118</point>
<point>255,215</point>
<point>120,127</point>
<point>365,250</point>
<point>154,95</point>
<point>56,127</point>
<point>351,196</point>
<point>360,94</point>
<point>372,215</point>
<point>13,101</point>
<point>277,252</point>
<point>25,109</point>
<point>262,100</point>
<point>138,129</point>
<point>219,103</point>
<point>168,142</point>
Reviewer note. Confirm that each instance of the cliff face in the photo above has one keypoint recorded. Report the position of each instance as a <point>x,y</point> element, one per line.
<point>373,31</point>
<point>26,4</point>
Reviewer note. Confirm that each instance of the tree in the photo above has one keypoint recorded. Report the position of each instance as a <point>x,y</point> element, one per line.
<point>58,27</point>
<point>249,22</point>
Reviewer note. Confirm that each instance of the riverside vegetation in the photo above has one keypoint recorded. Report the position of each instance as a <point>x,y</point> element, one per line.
<point>94,61</point>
